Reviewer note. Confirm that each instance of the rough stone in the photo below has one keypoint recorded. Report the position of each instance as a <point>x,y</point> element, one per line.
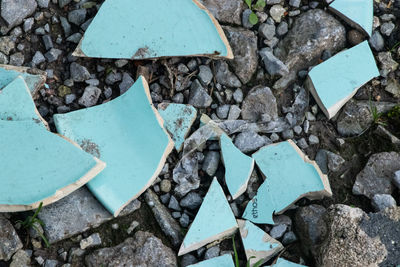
<point>272,64</point>
<point>90,96</point>
<point>21,259</point>
<point>77,16</point>
<point>53,54</point>
<point>143,250</point>
<point>199,97</point>
<point>191,201</point>
<point>78,72</point>
<point>224,76</point>
<point>387,63</point>
<point>377,175</point>
<point>225,11</point>
<point>251,141</point>
<point>91,241</point>
<point>382,201</point>
<point>211,162</point>
<point>15,11</point>
<point>244,46</point>
<point>277,12</point>
<point>205,75</point>
<point>267,31</point>
<point>6,45</point>
<point>127,82</point>
<point>278,231</point>
<point>9,240</point>
<point>376,41</point>
<point>258,102</point>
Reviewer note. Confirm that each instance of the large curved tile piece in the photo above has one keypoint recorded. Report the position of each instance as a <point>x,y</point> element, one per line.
<point>358,13</point>
<point>16,103</point>
<point>34,78</point>
<point>152,29</point>
<point>290,176</point>
<point>127,133</point>
<point>39,166</point>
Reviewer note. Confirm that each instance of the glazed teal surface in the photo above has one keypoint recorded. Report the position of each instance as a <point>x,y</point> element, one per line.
<point>281,262</point>
<point>336,78</point>
<point>358,11</point>
<point>238,166</point>
<point>254,239</point>
<point>126,135</point>
<point>287,178</point>
<point>38,163</point>
<point>152,28</point>
<point>178,119</point>
<point>7,76</point>
<point>16,103</point>
<point>214,217</point>
<point>221,261</point>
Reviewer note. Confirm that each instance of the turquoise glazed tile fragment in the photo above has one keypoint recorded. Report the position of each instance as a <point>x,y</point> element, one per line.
<point>258,245</point>
<point>335,81</point>
<point>238,167</point>
<point>16,103</point>
<point>290,175</point>
<point>214,221</point>
<point>221,261</point>
<point>33,78</point>
<point>39,166</point>
<point>128,29</point>
<point>127,133</point>
<point>358,13</point>
<point>178,119</point>
<point>281,262</point>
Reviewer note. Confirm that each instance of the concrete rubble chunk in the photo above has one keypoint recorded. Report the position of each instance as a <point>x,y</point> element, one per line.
<point>91,241</point>
<point>143,250</point>
<point>9,240</point>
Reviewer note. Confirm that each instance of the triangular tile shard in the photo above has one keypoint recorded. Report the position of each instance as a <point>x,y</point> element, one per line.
<point>258,245</point>
<point>178,119</point>
<point>43,167</point>
<point>214,221</point>
<point>336,81</point>
<point>290,176</point>
<point>128,29</point>
<point>16,103</point>
<point>281,262</point>
<point>357,13</point>
<point>128,134</point>
<point>34,78</point>
<point>221,261</point>
<point>238,167</point>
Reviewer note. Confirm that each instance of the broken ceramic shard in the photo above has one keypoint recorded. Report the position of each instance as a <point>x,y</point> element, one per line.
<point>335,81</point>
<point>214,221</point>
<point>124,29</point>
<point>16,103</point>
<point>178,119</point>
<point>221,261</point>
<point>281,262</point>
<point>290,175</point>
<point>358,13</point>
<point>34,78</point>
<point>238,167</point>
<point>128,134</point>
<point>44,167</point>
<point>258,245</point>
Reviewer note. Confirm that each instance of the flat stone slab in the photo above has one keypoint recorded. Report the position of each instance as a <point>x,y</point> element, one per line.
<point>34,78</point>
<point>124,29</point>
<point>359,14</point>
<point>221,261</point>
<point>290,176</point>
<point>44,167</point>
<point>238,167</point>
<point>258,245</point>
<point>214,221</point>
<point>336,81</point>
<point>178,119</point>
<point>127,133</point>
<point>77,213</point>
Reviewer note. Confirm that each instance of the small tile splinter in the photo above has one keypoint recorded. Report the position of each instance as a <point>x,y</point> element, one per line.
<point>290,175</point>
<point>127,133</point>
<point>214,221</point>
<point>153,29</point>
<point>34,78</point>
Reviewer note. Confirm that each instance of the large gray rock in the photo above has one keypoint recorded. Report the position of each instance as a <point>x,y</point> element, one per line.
<point>356,116</point>
<point>310,227</point>
<point>144,250</point>
<point>251,141</point>
<point>244,46</point>
<point>259,102</point>
<point>14,11</point>
<point>77,213</point>
<point>163,217</point>
<point>313,32</point>
<point>225,11</point>
<point>376,177</point>
<point>346,243</point>
<point>9,240</point>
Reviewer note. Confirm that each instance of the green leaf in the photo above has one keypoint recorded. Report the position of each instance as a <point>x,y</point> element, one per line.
<point>235,251</point>
<point>259,4</point>
<point>248,2</point>
<point>253,19</point>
